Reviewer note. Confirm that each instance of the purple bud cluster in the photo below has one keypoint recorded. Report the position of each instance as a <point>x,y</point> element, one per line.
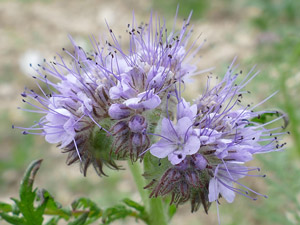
<point>113,104</point>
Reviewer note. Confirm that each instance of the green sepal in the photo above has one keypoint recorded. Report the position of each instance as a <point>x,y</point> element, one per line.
<point>100,144</point>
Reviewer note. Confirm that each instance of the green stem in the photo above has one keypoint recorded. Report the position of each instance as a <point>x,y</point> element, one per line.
<point>157,209</point>
<point>157,212</point>
<point>154,206</point>
<point>140,182</point>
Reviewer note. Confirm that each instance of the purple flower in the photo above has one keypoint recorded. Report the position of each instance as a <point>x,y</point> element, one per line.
<point>185,110</point>
<point>60,126</point>
<point>146,100</point>
<point>223,180</point>
<point>177,141</point>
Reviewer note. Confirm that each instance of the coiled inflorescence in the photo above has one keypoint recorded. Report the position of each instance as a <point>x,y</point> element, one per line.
<point>114,104</point>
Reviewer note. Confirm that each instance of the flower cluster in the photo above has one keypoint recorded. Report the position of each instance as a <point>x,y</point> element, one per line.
<point>114,104</point>
<point>208,143</point>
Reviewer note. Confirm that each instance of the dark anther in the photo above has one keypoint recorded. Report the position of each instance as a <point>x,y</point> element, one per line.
<point>179,156</point>
<point>170,56</point>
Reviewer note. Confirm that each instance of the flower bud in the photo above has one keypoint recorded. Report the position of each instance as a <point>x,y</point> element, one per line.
<point>200,161</point>
<point>118,111</point>
<point>137,124</point>
<point>138,139</point>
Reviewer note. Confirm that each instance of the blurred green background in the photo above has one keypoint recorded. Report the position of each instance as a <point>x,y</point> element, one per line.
<point>266,33</point>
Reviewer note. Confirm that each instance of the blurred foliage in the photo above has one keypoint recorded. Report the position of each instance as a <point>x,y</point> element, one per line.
<point>275,13</point>
<point>283,206</point>
<point>35,203</point>
<point>199,7</point>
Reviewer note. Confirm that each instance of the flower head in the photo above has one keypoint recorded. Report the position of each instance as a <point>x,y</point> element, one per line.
<point>116,91</point>
<point>208,146</point>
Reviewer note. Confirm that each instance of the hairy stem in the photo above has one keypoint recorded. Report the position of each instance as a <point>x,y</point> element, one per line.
<point>136,172</point>
<point>157,209</point>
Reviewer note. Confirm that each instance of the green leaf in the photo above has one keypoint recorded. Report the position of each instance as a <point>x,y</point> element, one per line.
<point>52,207</point>
<point>134,205</point>
<point>53,221</point>
<point>81,220</point>
<point>31,215</point>
<point>114,213</point>
<point>4,207</point>
<point>93,211</point>
<point>171,211</point>
<point>265,117</point>
<point>15,220</point>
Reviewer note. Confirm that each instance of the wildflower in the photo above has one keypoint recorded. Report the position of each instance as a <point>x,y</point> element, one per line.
<point>177,141</point>
<point>72,108</point>
<point>116,91</point>
<point>223,137</point>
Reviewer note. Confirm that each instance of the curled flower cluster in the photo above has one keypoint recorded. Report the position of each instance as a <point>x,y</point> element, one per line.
<point>113,104</point>
<point>208,143</point>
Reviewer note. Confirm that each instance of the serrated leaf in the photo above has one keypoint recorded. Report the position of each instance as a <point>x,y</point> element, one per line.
<point>94,212</point>
<point>31,215</point>
<point>53,221</point>
<point>81,220</point>
<point>134,204</point>
<point>45,198</point>
<point>114,213</point>
<point>4,207</point>
<point>15,220</point>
